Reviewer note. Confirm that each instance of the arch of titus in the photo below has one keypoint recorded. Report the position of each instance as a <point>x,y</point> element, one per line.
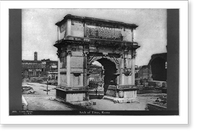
<point>83,40</point>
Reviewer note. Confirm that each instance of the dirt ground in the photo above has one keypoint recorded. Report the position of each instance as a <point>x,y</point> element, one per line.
<point>139,104</point>
<point>103,104</point>
<point>40,100</point>
<point>151,98</point>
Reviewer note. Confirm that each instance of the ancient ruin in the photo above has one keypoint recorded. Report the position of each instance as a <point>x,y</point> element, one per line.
<point>83,40</point>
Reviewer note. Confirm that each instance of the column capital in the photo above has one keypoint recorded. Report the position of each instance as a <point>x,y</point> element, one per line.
<point>127,71</point>
<point>133,54</point>
<point>85,53</point>
<point>69,53</point>
<point>61,53</point>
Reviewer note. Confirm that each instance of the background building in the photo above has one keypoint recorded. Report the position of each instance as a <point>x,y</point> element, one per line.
<point>155,71</point>
<point>39,68</point>
<point>158,66</point>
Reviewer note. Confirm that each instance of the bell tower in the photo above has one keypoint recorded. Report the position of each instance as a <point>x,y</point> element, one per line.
<point>35,56</point>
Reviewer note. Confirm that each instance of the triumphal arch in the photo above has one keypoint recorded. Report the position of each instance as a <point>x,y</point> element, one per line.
<point>83,40</point>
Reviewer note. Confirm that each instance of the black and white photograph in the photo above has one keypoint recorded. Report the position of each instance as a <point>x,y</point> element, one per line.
<point>95,61</point>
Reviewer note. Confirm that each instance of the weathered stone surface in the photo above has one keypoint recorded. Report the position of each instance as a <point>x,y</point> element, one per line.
<point>76,62</point>
<point>83,103</point>
<point>76,79</point>
<point>121,100</point>
<point>75,97</point>
<point>111,93</point>
<point>77,53</point>
<point>63,80</point>
<point>108,42</point>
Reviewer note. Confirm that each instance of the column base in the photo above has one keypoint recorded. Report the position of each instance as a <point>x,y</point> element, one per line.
<point>69,94</point>
<point>122,93</point>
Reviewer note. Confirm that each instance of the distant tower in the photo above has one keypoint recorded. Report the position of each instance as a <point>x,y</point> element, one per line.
<point>35,56</point>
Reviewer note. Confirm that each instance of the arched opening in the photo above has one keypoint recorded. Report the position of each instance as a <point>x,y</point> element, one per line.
<point>108,75</point>
<point>159,71</point>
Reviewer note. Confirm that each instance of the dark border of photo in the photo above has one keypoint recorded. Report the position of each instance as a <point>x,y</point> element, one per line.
<point>15,70</point>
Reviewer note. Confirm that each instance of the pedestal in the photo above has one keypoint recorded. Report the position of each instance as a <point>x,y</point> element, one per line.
<point>122,93</point>
<point>71,94</point>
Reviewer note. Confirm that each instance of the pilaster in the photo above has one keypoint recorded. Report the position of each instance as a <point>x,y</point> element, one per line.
<point>133,67</point>
<point>58,71</point>
<point>68,68</point>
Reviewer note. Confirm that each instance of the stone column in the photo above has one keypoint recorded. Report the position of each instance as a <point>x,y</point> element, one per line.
<point>118,71</point>
<point>58,78</point>
<point>121,72</point>
<point>129,65</point>
<point>69,24</point>
<point>68,68</point>
<point>130,76</point>
<point>84,69</point>
<point>133,68</point>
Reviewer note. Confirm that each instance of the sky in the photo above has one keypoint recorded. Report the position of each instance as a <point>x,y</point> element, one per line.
<point>39,32</point>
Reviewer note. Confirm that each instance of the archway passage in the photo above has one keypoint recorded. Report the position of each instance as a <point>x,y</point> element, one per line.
<point>159,71</point>
<point>110,77</point>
